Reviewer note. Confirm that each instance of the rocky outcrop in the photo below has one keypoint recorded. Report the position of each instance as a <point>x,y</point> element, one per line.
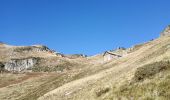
<point>166,32</point>
<point>18,65</point>
<point>1,67</point>
<point>74,56</point>
<point>34,48</point>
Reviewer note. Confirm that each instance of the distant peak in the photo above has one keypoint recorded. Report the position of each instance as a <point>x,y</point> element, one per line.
<point>166,31</point>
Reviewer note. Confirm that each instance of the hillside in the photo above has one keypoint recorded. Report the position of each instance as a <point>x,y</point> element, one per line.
<point>142,72</point>
<point>103,84</point>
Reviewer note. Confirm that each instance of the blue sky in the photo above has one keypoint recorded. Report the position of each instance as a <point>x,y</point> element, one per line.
<point>82,26</point>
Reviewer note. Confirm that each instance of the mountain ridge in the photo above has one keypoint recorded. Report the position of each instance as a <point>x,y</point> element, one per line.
<point>88,78</point>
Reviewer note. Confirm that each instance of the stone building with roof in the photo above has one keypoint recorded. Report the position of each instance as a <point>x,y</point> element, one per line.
<point>110,55</point>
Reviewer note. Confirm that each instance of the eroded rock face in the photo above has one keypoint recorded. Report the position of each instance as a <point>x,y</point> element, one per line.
<point>18,65</point>
<point>166,32</point>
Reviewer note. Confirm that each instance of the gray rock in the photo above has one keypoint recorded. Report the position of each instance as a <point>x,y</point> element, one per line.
<point>18,65</point>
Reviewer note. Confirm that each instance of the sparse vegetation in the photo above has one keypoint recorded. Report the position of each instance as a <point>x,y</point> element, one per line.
<point>8,78</point>
<point>22,49</point>
<point>102,91</point>
<point>31,48</point>
<point>90,78</point>
<point>150,70</point>
<point>58,68</point>
<point>157,87</point>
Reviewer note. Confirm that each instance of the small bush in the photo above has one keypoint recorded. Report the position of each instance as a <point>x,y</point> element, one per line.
<point>155,88</point>
<point>150,70</point>
<point>102,91</point>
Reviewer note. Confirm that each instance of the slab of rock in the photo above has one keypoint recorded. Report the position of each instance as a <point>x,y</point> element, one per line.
<point>18,65</point>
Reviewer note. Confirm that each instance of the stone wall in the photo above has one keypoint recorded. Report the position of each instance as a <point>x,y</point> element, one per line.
<point>18,65</point>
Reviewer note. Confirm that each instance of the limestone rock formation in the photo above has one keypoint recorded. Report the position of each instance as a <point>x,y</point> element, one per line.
<point>18,65</point>
<point>166,31</point>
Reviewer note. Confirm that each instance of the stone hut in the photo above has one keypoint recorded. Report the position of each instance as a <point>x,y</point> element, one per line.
<point>110,55</point>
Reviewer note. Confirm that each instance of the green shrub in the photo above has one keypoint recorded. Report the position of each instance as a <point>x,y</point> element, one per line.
<point>150,70</point>
<point>155,88</point>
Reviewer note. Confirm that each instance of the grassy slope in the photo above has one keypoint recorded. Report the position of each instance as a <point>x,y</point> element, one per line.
<point>120,71</point>
<point>154,87</point>
<point>86,80</point>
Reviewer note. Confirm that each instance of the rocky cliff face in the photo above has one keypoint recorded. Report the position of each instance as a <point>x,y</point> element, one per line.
<point>18,65</point>
<point>166,31</point>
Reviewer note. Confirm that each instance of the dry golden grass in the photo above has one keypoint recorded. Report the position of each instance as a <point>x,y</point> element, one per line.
<point>7,78</point>
<point>156,87</point>
<point>91,78</point>
<point>119,71</point>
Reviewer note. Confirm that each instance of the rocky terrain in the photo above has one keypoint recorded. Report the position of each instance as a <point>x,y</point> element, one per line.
<point>166,31</point>
<point>39,73</point>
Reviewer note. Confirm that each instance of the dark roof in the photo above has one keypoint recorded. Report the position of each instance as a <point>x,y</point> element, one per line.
<point>111,53</point>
